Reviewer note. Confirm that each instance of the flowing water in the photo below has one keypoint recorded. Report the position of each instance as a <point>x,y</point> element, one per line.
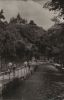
<point>44,84</point>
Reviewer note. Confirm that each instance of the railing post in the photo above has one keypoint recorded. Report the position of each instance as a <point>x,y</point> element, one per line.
<point>21,72</point>
<point>14,74</point>
<point>24,71</point>
<point>9,75</point>
<point>3,76</point>
<point>2,81</point>
<point>18,72</point>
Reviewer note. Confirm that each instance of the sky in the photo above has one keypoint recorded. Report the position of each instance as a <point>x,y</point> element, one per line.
<point>28,9</point>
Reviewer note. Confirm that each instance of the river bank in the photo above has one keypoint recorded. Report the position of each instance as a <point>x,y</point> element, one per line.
<point>39,86</point>
<point>12,80</point>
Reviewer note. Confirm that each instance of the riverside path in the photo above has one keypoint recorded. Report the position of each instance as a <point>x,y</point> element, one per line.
<point>45,84</point>
<point>12,78</point>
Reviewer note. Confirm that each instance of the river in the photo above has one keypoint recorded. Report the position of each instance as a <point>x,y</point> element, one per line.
<point>44,84</point>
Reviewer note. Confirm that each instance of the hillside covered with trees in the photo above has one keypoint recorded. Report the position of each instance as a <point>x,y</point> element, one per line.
<point>18,38</point>
<point>21,40</point>
<point>51,45</point>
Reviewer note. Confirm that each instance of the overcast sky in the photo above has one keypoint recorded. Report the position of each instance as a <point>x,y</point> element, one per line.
<point>29,10</point>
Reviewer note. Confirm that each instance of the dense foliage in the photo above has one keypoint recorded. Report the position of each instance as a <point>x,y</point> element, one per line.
<point>18,38</point>
<point>56,38</point>
<point>22,40</point>
<point>55,5</point>
<point>51,44</point>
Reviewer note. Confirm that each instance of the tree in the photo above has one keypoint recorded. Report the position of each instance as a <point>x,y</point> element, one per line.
<point>56,5</point>
<point>1,15</point>
<point>18,20</point>
<point>20,49</point>
<point>13,20</point>
<point>32,22</point>
<point>34,51</point>
<point>56,20</point>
